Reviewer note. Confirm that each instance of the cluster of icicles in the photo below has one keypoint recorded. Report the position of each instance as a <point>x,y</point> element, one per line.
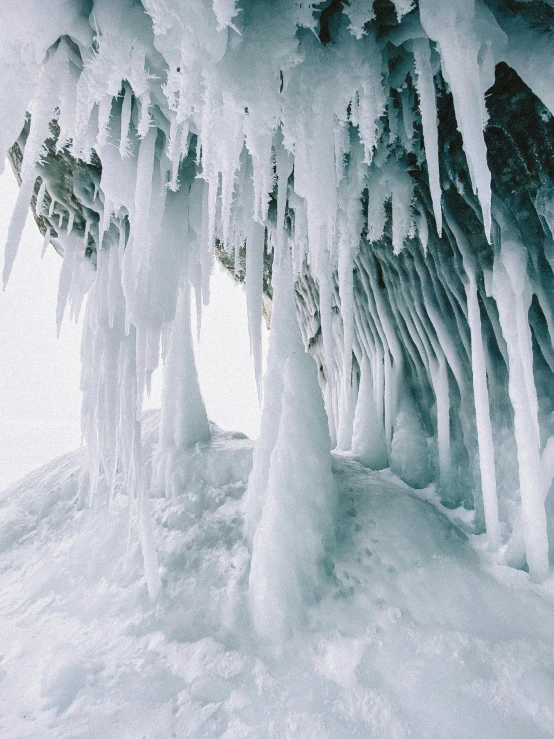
<point>235,126</point>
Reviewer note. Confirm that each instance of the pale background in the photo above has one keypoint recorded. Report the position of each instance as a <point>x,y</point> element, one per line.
<point>39,374</point>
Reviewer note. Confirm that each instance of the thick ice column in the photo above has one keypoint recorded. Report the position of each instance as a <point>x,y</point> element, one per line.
<point>512,293</point>
<point>480,392</point>
<point>184,421</point>
<point>368,442</point>
<point>284,339</point>
<point>483,417</point>
<point>439,378</point>
<point>297,521</point>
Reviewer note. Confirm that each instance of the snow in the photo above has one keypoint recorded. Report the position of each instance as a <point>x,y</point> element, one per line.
<point>414,632</point>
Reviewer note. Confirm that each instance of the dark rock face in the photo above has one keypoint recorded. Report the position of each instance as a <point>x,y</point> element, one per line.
<point>71,188</point>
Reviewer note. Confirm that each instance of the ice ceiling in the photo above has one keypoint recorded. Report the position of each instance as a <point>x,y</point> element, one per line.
<point>393,161</point>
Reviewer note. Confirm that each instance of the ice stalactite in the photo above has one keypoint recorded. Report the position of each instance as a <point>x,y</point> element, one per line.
<point>428,107</point>
<point>452,25</point>
<point>254,292</point>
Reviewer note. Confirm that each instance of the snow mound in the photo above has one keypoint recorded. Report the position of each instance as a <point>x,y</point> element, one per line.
<point>410,635</point>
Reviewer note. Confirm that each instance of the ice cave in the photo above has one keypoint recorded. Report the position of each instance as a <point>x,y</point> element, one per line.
<point>380,177</point>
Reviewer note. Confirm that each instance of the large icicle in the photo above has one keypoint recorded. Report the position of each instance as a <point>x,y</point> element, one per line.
<point>429,122</point>
<point>451,23</point>
<point>512,293</point>
<point>254,289</point>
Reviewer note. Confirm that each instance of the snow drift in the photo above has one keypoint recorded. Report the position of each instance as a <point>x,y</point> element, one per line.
<point>409,635</point>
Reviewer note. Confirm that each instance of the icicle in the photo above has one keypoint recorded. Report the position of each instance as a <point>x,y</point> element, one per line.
<point>45,243</point>
<point>254,289</point>
<point>324,278</point>
<point>124,144</point>
<point>451,24</point>
<point>144,119</point>
<point>513,296</point>
<point>428,107</point>
<point>206,243</point>
<point>346,291</point>
<point>104,114</point>
<point>42,111</point>
<point>283,165</point>
<point>143,195</point>
<point>17,223</point>
<point>402,192</point>
<point>40,197</point>
<point>70,222</point>
<point>173,153</point>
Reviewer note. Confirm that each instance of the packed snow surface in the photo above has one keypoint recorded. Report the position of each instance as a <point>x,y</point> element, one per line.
<point>414,631</point>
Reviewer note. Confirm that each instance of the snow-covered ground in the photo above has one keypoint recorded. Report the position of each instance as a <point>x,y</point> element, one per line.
<point>414,634</point>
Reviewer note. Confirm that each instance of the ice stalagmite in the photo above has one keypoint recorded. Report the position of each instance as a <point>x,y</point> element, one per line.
<point>284,340</point>
<point>184,421</point>
<point>368,442</point>
<point>297,521</point>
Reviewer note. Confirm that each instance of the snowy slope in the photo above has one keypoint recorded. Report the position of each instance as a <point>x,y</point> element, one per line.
<point>413,635</point>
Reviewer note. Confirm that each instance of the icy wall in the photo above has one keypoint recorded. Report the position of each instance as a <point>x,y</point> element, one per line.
<point>394,161</point>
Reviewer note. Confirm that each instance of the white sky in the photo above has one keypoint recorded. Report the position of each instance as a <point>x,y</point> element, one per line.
<point>39,374</point>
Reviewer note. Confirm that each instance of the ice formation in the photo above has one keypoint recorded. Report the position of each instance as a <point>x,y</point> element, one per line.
<point>392,161</point>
